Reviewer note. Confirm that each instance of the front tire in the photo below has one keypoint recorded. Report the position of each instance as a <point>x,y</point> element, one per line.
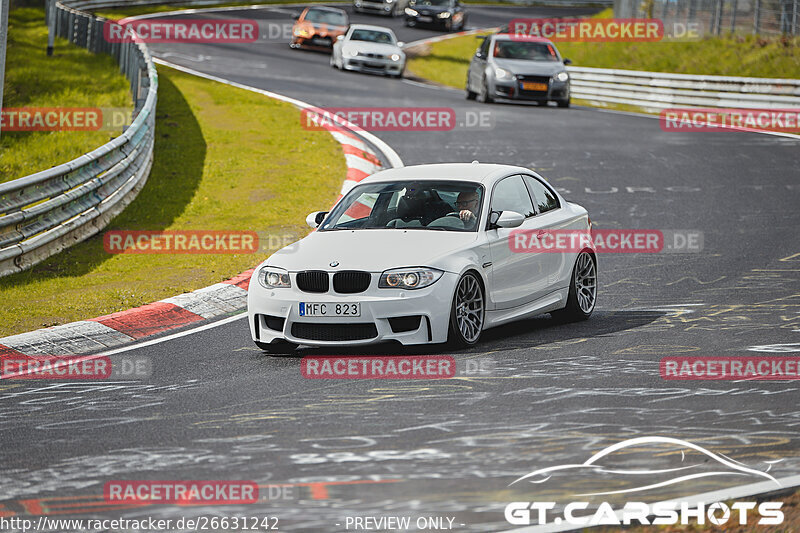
<point>484,95</point>
<point>467,312</point>
<point>277,348</point>
<point>563,103</point>
<point>582,290</point>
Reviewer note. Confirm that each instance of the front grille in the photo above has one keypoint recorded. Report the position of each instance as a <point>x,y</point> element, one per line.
<point>401,324</point>
<point>351,281</point>
<point>334,332</point>
<point>536,79</point>
<point>313,281</point>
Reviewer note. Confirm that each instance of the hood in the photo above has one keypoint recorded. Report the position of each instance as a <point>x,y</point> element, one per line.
<point>533,68</point>
<point>373,250</point>
<point>371,48</point>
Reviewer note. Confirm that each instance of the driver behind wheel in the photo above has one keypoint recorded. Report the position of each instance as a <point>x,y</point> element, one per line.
<point>467,206</point>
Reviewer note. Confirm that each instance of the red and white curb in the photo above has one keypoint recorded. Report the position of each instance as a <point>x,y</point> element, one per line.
<point>99,334</point>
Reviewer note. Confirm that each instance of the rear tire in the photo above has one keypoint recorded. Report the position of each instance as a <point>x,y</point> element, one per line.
<point>467,312</point>
<point>277,348</point>
<point>582,290</point>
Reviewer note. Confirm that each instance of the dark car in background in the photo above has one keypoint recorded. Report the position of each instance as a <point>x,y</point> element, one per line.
<point>444,14</point>
<point>318,27</point>
<point>518,68</point>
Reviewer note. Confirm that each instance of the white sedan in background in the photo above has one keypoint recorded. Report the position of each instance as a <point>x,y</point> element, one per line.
<point>369,49</point>
<point>424,254</point>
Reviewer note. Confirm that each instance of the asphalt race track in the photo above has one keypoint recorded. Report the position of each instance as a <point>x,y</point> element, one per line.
<point>546,393</point>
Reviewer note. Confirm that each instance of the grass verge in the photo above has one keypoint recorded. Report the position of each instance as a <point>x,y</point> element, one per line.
<point>72,77</point>
<point>225,159</point>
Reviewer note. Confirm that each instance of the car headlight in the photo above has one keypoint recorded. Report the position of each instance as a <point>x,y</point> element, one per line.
<point>562,76</point>
<point>411,12</point>
<point>502,74</point>
<point>351,53</point>
<point>301,32</point>
<point>274,278</point>
<point>395,57</point>
<point>409,278</point>
<point>444,15</point>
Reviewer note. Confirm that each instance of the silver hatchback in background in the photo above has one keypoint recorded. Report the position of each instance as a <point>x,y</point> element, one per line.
<point>518,68</point>
<point>392,8</point>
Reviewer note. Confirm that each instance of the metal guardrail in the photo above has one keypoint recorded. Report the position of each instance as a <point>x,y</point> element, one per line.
<point>44,213</point>
<point>655,91</point>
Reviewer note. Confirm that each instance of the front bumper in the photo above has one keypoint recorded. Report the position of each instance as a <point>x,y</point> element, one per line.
<point>421,20</point>
<point>318,42</point>
<point>369,64</point>
<point>511,89</point>
<point>274,314</point>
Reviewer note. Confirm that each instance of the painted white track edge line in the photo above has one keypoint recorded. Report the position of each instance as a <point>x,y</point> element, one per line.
<point>136,346</point>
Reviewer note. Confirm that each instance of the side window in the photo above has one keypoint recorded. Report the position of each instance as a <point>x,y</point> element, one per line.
<point>485,47</point>
<point>544,197</point>
<point>510,194</point>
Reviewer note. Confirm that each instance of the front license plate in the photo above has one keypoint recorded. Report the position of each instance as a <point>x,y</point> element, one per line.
<point>533,86</point>
<point>330,309</point>
<point>425,19</point>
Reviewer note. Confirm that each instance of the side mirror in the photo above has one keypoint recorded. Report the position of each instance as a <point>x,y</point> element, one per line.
<point>509,219</point>
<point>296,17</point>
<point>567,61</point>
<point>400,44</point>
<point>478,54</point>
<point>315,219</point>
<point>340,37</point>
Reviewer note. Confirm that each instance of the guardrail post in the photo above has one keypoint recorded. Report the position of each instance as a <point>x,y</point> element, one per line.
<point>794,17</point>
<point>733,15</point>
<point>4,5</point>
<point>757,17</point>
<point>51,26</point>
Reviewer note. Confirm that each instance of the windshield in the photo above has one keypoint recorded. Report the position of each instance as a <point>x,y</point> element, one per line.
<point>525,50</point>
<point>421,205</point>
<point>323,16</point>
<point>439,3</point>
<point>371,36</point>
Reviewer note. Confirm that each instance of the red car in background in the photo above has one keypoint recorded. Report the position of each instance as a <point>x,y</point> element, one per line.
<point>318,27</point>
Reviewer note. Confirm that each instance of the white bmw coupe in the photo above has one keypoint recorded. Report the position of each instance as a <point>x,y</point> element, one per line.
<point>425,254</point>
<point>369,49</point>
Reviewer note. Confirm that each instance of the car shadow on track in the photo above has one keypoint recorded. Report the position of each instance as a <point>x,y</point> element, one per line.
<point>537,331</point>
